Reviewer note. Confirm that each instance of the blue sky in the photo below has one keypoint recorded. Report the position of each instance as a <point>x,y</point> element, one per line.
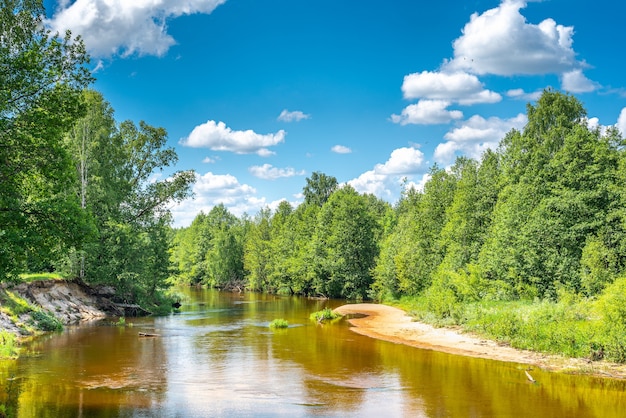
<point>257,95</point>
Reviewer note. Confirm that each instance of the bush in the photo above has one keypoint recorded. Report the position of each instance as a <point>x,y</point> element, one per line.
<point>325,314</point>
<point>46,322</point>
<point>279,323</point>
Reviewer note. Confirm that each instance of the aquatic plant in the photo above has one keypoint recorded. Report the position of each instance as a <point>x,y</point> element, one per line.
<point>325,314</point>
<point>279,323</point>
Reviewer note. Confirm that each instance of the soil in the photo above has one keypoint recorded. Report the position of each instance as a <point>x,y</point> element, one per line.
<point>71,302</point>
<point>394,325</point>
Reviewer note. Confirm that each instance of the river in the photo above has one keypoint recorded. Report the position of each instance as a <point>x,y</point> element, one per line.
<point>219,358</point>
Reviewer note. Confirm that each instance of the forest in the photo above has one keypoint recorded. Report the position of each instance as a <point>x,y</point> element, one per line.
<point>526,244</point>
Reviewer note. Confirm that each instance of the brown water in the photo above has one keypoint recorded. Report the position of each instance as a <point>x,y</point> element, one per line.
<point>219,358</point>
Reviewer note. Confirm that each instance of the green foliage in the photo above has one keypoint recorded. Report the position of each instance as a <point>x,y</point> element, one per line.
<point>325,314</point>
<point>13,305</point>
<point>510,246</point>
<point>279,323</point>
<point>45,321</point>
<point>40,96</point>
<point>319,187</point>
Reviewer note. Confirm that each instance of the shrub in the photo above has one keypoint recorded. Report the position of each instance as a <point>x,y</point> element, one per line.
<point>325,314</point>
<point>279,323</point>
<point>46,322</point>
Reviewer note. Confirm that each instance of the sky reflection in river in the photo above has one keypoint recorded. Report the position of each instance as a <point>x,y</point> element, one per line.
<point>218,357</point>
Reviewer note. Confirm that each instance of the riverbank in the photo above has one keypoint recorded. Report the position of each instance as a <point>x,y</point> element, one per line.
<point>69,302</point>
<point>394,325</point>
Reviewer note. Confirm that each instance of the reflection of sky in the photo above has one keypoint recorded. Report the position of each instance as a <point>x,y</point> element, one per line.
<point>221,359</point>
<point>225,365</point>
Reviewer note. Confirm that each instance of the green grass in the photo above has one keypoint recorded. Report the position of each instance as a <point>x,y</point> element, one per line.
<point>325,314</point>
<point>31,277</point>
<point>574,326</point>
<point>13,305</point>
<point>279,323</point>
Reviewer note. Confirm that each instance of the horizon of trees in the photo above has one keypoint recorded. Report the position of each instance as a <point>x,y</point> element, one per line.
<point>542,213</point>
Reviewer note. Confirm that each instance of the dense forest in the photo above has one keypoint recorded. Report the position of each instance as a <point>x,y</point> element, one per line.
<point>543,212</point>
<point>540,220</point>
<point>527,245</point>
<point>78,193</point>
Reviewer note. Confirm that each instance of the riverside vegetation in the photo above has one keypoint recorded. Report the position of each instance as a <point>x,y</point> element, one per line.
<point>526,244</point>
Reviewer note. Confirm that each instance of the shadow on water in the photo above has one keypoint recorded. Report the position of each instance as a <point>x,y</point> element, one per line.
<point>218,357</point>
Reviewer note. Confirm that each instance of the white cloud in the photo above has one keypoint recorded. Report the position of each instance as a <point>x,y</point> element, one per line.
<point>621,122</point>
<point>458,87</point>
<point>575,82</point>
<point>219,137</point>
<point>269,172</point>
<point>111,27</point>
<point>427,112</point>
<point>341,149</point>
<point>520,94</point>
<point>500,41</point>
<point>295,116</point>
<point>385,179</point>
<point>210,160</point>
<point>475,135</point>
<point>212,189</point>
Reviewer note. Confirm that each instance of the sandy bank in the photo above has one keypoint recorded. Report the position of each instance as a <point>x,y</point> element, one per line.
<point>394,325</point>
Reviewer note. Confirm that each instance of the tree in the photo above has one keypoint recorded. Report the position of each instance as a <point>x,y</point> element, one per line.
<point>318,188</point>
<point>344,246</point>
<point>42,77</point>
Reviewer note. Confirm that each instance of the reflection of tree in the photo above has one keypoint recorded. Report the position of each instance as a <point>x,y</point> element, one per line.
<point>10,388</point>
<point>99,370</point>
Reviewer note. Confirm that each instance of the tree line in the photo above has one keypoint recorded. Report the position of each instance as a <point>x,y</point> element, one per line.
<point>77,189</point>
<point>542,213</point>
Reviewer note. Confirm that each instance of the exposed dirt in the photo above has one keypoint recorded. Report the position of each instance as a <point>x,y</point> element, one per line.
<point>68,301</point>
<point>394,325</point>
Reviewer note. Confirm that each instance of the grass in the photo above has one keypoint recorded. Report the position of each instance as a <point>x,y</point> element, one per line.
<point>325,314</point>
<point>279,323</point>
<point>573,326</point>
<point>31,277</point>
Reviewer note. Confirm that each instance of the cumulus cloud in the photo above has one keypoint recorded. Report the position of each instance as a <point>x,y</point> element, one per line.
<point>520,94</point>
<point>475,135</point>
<point>575,82</point>
<point>295,116</point>
<point>621,122</point>
<point>385,179</point>
<point>341,149</point>
<point>269,172</point>
<point>458,87</point>
<point>427,112</point>
<point>218,137</point>
<point>111,27</point>
<point>212,189</point>
<point>500,41</point>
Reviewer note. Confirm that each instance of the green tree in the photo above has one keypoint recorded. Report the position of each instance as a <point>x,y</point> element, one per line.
<point>318,188</point>
<point>257,255</point>
<point>41,79</point>
<point>344,246</point>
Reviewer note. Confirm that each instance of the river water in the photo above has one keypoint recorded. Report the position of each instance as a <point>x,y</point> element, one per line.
<point>219,358</point>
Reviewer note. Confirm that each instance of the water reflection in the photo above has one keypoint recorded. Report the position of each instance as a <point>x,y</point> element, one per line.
<point>219,358</point>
